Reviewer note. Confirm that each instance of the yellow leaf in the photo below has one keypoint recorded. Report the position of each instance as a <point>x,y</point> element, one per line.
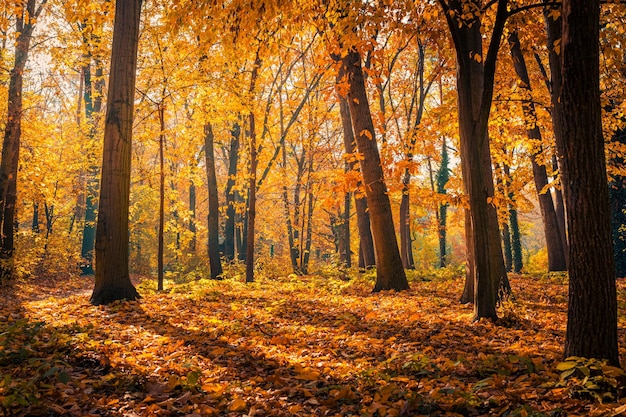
<point>238,405</point>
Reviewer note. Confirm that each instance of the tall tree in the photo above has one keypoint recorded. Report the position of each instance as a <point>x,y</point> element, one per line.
<point>215,262</point>
<point>592,311</point>
<point>554,243</point>
<point>443,175</point>
<point>229,222</point>
<point>475,83</point>
<point>112,280</point>
<point>27,14</point>
<point>390,274</point>
<point>366,243</point>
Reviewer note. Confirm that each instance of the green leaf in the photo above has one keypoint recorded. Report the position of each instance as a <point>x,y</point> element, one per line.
<point>64,377</point>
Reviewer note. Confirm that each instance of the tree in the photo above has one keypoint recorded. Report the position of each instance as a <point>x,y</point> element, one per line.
<point>592,311</point>
<point>27,14</point>
<point>554,243</point>
<point>390,274</point>
<point>215,262</point>
<point>443,175</point>
<point>475,84</point>
<point>112,280</point>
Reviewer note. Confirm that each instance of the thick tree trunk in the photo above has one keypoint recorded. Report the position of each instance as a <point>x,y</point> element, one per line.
<point>215,262</point>
<point>389,272</point>
<point>366,252</point>
<point>554,244</point>
<point>112,280</point>
<point>470,268</point>
<point>25,24</point>
<point>229,223</point>
<point>592,311</point>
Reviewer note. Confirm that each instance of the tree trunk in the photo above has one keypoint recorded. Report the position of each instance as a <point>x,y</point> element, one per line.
<point>508,249</point>
<point>161,242</point>
<point>443,175</point>
<point>470,268</point>
<point>592,311</point>
<point>389,272</point>
<point>112,281</point>
<point>347,256</point>
<point>213,217</point>
<point>552,17</point>
<point>366,245</point>
<point>554,245</point>
<point>250,243</point>
<point>192,217</point>
<point>406,244</point>
<point>25,24</point>
<point>229,223</point>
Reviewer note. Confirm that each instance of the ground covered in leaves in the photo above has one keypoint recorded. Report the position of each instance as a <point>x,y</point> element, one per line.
<point>294,347</point>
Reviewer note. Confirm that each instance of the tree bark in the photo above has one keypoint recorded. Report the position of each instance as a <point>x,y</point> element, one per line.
<point>215,262</point>
<point>161,243</point>
<point>250,243</point>
<point>554,22</point>
<point>25,24</point>
<point>389,272</point>
<point>229,222</point>
<point>592,311</point>
<point>554,244</point>
<point>443,175</point>
<point>112,280</point>
<point>366,251</point>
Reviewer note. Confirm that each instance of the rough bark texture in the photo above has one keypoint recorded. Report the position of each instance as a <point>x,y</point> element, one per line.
<point>406,243</point>
<point>366,252</point>
<point>389,272</point>
<point>554,244</point>
<point>592,312</point>
<point>443,175</point>
<point>213,225</point>
<point>12,135</point>
<point>112,281</point>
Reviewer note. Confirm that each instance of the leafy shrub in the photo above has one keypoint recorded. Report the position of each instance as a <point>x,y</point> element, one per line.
<point>592,379</point>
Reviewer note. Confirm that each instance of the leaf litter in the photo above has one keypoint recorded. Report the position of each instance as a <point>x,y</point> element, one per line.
<point>284,347</point>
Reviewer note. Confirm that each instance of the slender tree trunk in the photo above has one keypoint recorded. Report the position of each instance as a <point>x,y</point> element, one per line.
<point>160,268</point>
<point>112,280</point>
<point>389,271</point>
<point>229,223</point>
<point>250,243</point>
<point>406,244</point>
<point>192,217</point>
<point>554,245</point>
<point>443,175</point>
<point>25,24</point>
<point>553,20</point>
<point>508,248</point>
<point>592,311</point>
<point>35,225</point>
<point>347,258</point>
<point>213,218</point>
<point>366,245</point>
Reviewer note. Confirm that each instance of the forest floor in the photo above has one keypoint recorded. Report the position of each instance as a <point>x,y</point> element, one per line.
<point>303,346</point>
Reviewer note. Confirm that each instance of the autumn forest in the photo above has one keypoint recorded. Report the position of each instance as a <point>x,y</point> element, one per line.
<point>312,207</point>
